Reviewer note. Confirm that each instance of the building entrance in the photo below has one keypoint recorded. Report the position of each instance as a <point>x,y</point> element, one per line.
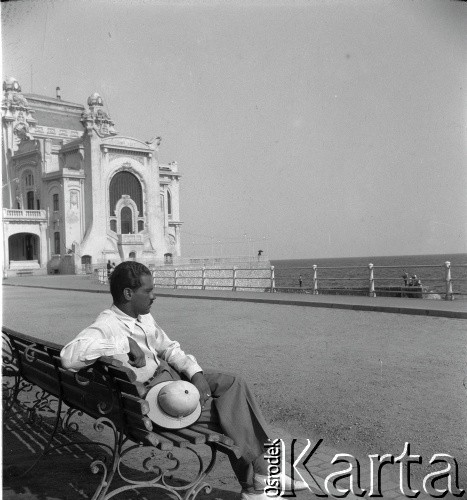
<point>23,246</point>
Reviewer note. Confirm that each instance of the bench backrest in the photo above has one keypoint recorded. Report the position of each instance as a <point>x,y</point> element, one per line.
<point>104,389</point>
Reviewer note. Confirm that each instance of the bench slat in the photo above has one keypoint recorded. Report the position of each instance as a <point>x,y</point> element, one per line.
<point>121,372</point>
<point>42,380</point>
<point>151,438</point>
<point>34,350</point>
<point>137,419</point>
<point>231,450</point>
<point>134,404</point>
<point>144,436</point>
<point>177,440</point>
<point>192,436</point>
<point>222,437</point>
<point>88,402</point>
<point>135,389</point>
<point>211,436</point>
<point>91,381</point>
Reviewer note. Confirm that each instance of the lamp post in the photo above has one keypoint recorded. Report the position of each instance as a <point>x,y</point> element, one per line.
<point>15,180</point>
<point>12,180</point>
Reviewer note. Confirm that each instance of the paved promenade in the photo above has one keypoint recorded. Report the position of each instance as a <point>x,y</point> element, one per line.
<point>338,368</point>
<point>425,307</point>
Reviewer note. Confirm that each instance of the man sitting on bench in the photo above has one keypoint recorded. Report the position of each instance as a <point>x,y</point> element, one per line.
<point>128,332</point>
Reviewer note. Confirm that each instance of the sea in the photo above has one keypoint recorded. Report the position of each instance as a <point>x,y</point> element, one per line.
<point>345,273</point>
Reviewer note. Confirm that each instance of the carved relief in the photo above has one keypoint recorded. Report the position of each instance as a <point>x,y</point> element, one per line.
<point>122,141</point>
<point>138,158</point>
<point>74,199</point>
<point>21,132</point>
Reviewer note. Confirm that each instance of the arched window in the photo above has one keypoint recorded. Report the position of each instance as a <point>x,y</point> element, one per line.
<point>126,220</point>
<point>125,183</point>
<point>169,203</point>
<point>55,202</point>
<point>30,200</point>
<point>57,243</point>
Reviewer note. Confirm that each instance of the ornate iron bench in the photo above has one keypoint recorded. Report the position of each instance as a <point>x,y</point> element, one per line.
<point>35,384</point>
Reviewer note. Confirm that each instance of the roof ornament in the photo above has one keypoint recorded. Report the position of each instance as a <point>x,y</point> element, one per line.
<point>12,94</point>
<point>154,142</point>
<point>16,114</point>
<point>96,119</point>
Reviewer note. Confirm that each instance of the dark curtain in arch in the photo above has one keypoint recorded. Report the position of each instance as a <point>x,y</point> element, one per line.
<point>126,220</point>
<point>30,200</point>
<point>125,183</point>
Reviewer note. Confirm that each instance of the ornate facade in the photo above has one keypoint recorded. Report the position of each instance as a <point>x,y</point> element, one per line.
<point>76,194</point>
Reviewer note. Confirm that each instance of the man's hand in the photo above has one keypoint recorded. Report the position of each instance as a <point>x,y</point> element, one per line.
<point>199,380</point>
<point>136,355</point>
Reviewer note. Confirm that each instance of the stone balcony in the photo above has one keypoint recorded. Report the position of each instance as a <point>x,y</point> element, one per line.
<point>12,214</point>
<point>130,239</point>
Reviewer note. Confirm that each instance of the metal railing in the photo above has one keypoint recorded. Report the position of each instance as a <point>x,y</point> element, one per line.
<point>370,275</point>
<point>268,279</point>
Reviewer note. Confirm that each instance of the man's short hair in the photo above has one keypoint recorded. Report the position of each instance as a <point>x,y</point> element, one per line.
<point>126,275</point>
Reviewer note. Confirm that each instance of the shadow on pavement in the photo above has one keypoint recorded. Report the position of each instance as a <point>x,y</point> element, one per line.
<point>65,473</point>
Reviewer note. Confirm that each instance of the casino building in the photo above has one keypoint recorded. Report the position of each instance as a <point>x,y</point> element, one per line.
<point>76,193</point>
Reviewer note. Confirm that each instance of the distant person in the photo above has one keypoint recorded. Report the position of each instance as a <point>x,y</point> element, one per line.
<point>109,268</point>
<point>260,252</point>
<point>416,281</point>
<point>406,279</point>
<point>300,281</point>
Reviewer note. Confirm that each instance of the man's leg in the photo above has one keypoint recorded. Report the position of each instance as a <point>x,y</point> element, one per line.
<point>235,411</point>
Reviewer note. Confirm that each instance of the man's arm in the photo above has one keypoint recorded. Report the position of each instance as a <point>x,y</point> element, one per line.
<point>170,351</point>
<point>91,344</point>
<point>199,380</point>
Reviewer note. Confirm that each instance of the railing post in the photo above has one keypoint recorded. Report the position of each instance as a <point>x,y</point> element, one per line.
<point>234,287</point>
<point>273,280</point>
<point>175,278</point>
<point>203,277</point>
<point>315,279</point>
<point>372,281</point>
<point>449,295</point>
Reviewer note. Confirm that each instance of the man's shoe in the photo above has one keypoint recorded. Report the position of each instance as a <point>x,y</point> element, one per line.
<point>259,482</point>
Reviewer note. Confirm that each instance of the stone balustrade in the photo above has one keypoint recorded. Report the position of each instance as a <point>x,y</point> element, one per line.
<point>130,239</point>
<point>17,214</point>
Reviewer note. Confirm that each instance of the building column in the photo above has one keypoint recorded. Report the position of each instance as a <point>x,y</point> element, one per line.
<point>6,253</point>
<point>43,257</point>
<point>177,240</point>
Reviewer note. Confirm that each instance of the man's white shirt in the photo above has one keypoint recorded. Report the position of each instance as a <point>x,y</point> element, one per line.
<point>108,336</point>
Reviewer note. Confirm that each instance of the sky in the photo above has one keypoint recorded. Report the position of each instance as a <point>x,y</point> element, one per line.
<point>307,129</point>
